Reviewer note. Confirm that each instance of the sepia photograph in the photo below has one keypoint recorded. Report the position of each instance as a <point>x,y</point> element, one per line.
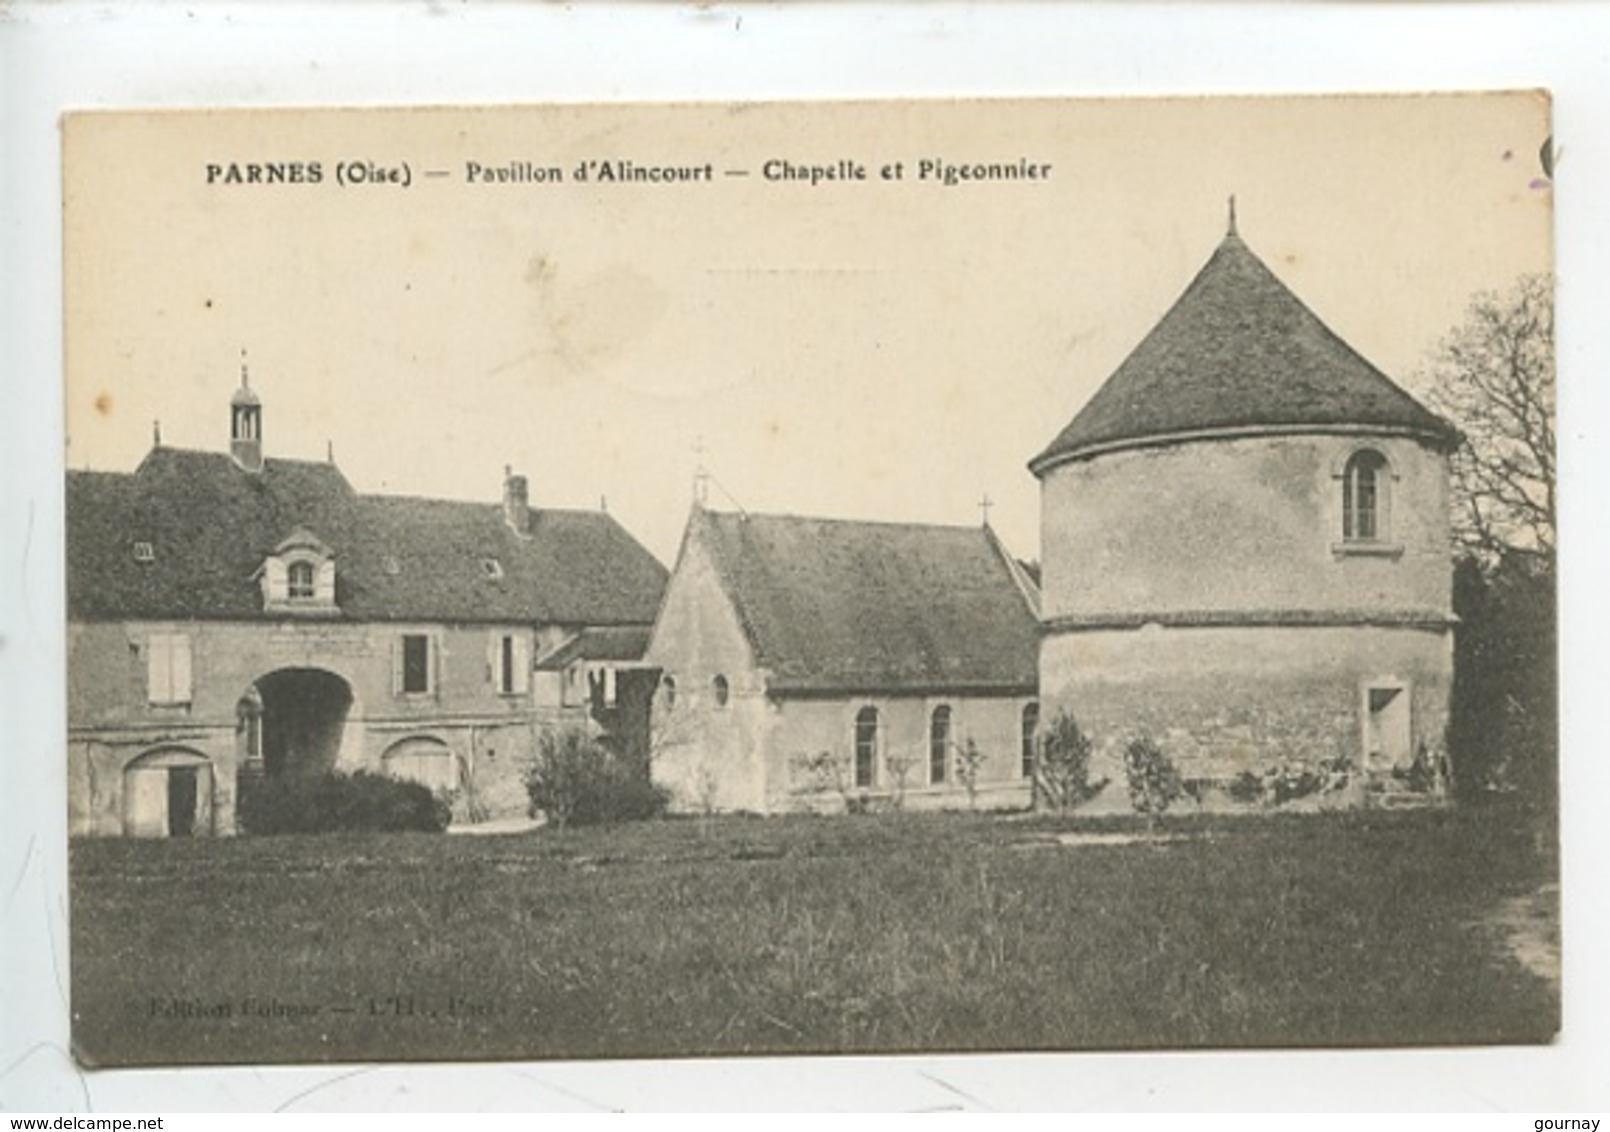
<point>686,580</point>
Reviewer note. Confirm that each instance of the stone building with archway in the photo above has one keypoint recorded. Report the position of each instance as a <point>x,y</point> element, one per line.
<point>237,615</point>
<point>1246,552</point>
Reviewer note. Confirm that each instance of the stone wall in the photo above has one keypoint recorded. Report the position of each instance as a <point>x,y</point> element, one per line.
<point>807,727</point>
<point>490,736</point>
<point>1249,525</point>
<point>706,753</point>
<point>1220,701</point>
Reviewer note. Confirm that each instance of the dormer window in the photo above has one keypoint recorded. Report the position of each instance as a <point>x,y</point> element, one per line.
<point>492,568</point>
<point>299,577</point>
<point>144,553</point>
<point>299,581</point>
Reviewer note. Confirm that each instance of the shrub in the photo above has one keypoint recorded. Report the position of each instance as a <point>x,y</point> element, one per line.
<point>1154,782</point>
<point>1419,776</point>
<point>1062,765</point>
<point>1287,783</point>
<point>825,771</point>
<point>1246,788</point>
<point>969,762</point>
<point>898,765</point>
<point>575,780</point>
<point>341,803</point>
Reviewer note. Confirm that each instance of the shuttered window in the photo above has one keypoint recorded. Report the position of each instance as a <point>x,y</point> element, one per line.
<point>510,663</point>
<point>168,669</point>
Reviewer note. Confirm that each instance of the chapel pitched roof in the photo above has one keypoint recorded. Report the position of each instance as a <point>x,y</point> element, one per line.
<point>1238,352</point>
<point>211,524</point>
<point>835,606</point>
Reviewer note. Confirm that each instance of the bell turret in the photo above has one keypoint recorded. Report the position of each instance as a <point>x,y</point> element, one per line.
<point>246,424</point>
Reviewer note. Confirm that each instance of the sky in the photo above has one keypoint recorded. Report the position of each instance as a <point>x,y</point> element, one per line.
<point>881,348</point>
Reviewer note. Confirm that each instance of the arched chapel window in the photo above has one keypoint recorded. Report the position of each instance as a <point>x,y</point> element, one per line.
<point>938,743</point>
<point>1364,484</point>
<point>866,746</point>
<point>1031,723</point>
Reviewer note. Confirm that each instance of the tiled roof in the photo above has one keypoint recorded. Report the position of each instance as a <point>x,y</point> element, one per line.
<point>623,643</point>
<point>1239,351</point>
<point>838,606</point>
<point>210,525</point>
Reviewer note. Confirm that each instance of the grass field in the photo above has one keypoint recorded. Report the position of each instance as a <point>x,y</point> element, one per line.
<point>856,934</point>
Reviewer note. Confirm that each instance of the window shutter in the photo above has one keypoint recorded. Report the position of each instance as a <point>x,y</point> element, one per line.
<point>397,665</point>
<point>494,652</point>
<point>324,583</point>
<point>157,682</point>
<point>433,663</point>
<point>179,673</point>
<point>522,663</point>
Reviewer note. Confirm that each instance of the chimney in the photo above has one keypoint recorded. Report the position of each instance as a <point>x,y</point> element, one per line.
<point>516,502</point>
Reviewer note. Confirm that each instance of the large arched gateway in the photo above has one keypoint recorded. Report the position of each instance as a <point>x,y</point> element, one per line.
<point>292,721</point>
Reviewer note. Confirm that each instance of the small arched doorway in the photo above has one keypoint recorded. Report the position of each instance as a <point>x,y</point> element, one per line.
<point>168,792</point>
<point>298,716</point>
<point>422,759</point>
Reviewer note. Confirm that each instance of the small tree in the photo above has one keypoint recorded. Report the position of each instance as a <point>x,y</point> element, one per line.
<point>827,770</point>
<point>1154,782</point>
<point>1493,376</point>
<point>969,761</point>
<point>899,764</point>
<point>574,780</point>
<point>1062,765</point>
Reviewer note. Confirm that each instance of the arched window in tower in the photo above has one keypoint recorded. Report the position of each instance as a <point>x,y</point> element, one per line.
<point>866,746</point>
<point>720,691</point>
<point>299,581</point>
<point>1364,484</point>
<point>668,690</point>
<point>938,743</point>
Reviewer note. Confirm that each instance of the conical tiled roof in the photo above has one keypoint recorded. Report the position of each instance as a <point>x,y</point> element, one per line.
<point>1238,352</point>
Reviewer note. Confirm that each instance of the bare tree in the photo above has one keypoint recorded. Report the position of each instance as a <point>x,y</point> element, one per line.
<point>1493,376</point>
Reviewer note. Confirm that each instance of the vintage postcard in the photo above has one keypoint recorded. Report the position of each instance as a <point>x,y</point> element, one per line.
<point>593,581</point>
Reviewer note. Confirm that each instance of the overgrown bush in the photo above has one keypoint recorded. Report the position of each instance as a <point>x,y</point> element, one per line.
<point>1246,788</point>
<point>1503,731</point>
<point>1288,783</point>
<point>576,781</point>
<point>341,803</point>
<point>1154,781</point>
<point>969,763</point>
<point>1062,765</point>
<point>1420,775</point>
